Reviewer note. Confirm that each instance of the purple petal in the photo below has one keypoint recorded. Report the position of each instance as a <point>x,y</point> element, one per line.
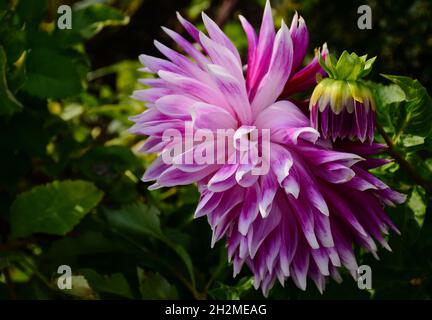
<point>278,72</point>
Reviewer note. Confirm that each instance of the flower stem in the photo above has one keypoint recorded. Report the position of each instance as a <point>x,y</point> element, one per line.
<point>404,163</point>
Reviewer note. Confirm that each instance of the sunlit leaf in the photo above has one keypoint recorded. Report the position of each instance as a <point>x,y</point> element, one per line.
<point>54,208</point>
<point>51,74</point>
<point>418,206</point>
<point>413,113</point>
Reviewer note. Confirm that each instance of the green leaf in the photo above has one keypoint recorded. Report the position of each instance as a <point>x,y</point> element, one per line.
<point>412,141</point>
<point>32,12</point>
<point>155,286</point>
<point>347,65</point>
<point>140,219</point>
<point>51,74</point>
<point>81,288</point>
<point>105,164</point>
<point>90,18</point>
<point>8,103</point>
<point>12,37</point>
<point>86,243</point>
<point>415,112</point>
<point>196,7</point>
<point>8,258</point>
<point>368,67</point>
<point>115,284</point>
<point>226,292</point>
<point>54,208</point>
<point>389,94</point>
<point>136,218</point>
<point>417,205</point>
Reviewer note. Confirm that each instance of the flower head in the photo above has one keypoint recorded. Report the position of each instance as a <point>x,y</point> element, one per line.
<point>287,203</point>
<point>342,105</point>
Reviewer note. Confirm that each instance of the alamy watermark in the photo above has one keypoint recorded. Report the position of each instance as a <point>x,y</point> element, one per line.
<point>64,21</point>
<point>246,145</point>
<point>64,281</point>
<point>364,22</point>
<point>364,277</point>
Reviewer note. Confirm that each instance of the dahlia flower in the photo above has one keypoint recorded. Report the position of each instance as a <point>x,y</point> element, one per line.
<point>287,203</point>
<point>342,106</point>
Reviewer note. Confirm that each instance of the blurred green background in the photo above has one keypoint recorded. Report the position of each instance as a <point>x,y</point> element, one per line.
<point>64,108</point>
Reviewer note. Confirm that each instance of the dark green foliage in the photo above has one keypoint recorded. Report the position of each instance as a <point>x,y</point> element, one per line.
<point>70,190</point>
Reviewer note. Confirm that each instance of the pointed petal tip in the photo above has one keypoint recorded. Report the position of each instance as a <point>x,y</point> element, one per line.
<point>301,20</point>
<point>157,43</point>
<point>165,29</point>
<point>204,16</point>
<point>325,48</point>
<point>153,186</point>
<point>387,246</point>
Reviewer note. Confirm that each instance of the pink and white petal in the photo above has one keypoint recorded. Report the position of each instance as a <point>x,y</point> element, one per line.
<point>320,156</point>
<point>189,27</point>
<point>153,144</point>
<point>260,230</point>
<point>208,202</point>
<point>305,220</point>
<point>150,95</point>
<point>175,106</point>
<point>186,65</point>
<point>193,87</point>
<point>261,59</point>
<point>222,56</point>
<point>322,260</point>
<point>291,184</point>
<point>289,239</point>
<point>300,38</point>
<point>175,177</point>
<point>278,72</point>
<point>234,91</point>
<point>323,230</point>
<point>335,173</point>
<point>157,127</point>
<point>211,117</point>
<point>223,179</point>
<point>216,34</point>
<point>245,176</point>
<point>304,79</point>
<point>292,135</point>
<point>187,47</point>
<point>229,200</point>
<point>249,210</point>
<point>155,170</point>
<point>281,162</point>
<point>281,115</point>
<point>269,186</point>
<point>252,44</point>
<point>300,266</point>
<point>311,187</point>
<point>157,64</point>
<point>152,82</point>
